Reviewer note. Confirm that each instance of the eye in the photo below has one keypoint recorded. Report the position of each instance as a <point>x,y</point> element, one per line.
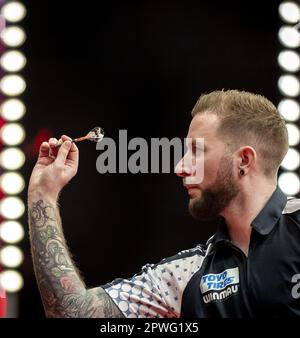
<point>198,149</point>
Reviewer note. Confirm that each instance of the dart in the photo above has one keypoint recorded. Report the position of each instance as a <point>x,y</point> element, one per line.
<point>95,135</point>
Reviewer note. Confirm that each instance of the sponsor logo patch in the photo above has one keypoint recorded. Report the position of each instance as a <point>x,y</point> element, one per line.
<point>218,286</point>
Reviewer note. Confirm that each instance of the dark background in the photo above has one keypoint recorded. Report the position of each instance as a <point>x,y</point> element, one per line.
<point>139,66</point>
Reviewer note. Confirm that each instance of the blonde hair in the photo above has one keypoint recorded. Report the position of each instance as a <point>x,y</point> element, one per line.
<point>247,119</point>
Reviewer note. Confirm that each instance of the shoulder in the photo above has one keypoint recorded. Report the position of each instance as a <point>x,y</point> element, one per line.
<point>292,205</point>
<point>193,256</point>
<point>292,211</point>
<point>198,251</point>
<point>177,269</point>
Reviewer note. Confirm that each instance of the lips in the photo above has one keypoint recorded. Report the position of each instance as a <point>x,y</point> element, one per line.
<point>193,190</point>
<point>191,186</point>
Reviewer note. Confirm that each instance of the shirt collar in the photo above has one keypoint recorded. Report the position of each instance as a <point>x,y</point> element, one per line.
<point>222,231</point>
<point>264,222</point>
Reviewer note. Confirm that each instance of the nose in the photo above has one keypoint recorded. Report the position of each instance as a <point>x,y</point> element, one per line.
<point>182,169</point>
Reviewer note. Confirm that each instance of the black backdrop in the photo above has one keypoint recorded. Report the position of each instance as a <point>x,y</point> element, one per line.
<point>140,66</point>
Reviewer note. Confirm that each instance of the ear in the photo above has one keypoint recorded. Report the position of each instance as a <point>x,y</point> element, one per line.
<point>246,158</point>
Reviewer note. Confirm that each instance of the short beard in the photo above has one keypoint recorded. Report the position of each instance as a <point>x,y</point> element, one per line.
<point>217,197</point>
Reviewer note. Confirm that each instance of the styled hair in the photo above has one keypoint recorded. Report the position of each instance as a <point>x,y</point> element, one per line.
<point>247,119</point>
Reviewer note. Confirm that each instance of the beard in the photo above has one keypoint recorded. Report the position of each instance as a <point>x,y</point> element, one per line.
<point>218,195</point>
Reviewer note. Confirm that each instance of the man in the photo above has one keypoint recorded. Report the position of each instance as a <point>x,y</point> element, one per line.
<point>249,268</point>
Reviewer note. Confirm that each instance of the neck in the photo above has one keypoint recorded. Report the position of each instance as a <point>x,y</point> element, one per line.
<point>243,210</point>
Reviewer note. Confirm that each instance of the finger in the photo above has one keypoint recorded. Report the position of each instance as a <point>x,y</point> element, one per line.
<point>44,150</point>
<point>63,152</point>
<point>61,140</point>
<point>52,142</point>
<point>65,137</point>
<point>53,147</point>
<point>74,152</point>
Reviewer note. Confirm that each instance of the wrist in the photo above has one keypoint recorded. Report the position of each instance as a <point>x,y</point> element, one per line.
<point>35,195</point>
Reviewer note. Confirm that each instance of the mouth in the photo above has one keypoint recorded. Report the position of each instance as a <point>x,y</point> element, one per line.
<point>193,190</point>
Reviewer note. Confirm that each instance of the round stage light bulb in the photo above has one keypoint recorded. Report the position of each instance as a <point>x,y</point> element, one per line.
<point>289,109</point>
<point>289,183</point>
<point>289,11</point>
<point>12,85</point>
<point>291,160</point>
<point>12,109</point>
<point>11,256</point>
<point>13,11</point>
<point>289,36</point>
<point>293,134</point>
<point>11,280</point>
<point>289,60</point>
<point>289,85</point>
<point>12,134</point>
<point>13,61</point>
<point>13,36</point>
<point>12,183</point>
<point>11,232</point>
<point>12,158</point>
<point>11,207</point>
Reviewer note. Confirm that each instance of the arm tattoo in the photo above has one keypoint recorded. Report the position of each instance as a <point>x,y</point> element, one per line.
<point>62,290</point>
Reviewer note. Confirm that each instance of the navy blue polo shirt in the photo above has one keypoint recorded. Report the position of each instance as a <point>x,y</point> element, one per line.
<point>264,284</point>
<point>218,279</point>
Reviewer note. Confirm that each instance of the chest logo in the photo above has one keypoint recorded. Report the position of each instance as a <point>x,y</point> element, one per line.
<point>296,287</point>
<point>218,286</point>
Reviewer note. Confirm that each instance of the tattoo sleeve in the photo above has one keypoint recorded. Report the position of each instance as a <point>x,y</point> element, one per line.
<point>63,292</point>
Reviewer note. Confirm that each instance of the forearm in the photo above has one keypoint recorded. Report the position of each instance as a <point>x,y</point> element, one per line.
<point>63,292</point>
<point>58,282</point>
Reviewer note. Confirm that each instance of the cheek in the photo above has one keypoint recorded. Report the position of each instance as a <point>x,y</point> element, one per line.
<point>210,171</point>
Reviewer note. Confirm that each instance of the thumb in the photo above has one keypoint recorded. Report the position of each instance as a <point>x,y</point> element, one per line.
<point>44,150</point>
<point>63,152</point>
